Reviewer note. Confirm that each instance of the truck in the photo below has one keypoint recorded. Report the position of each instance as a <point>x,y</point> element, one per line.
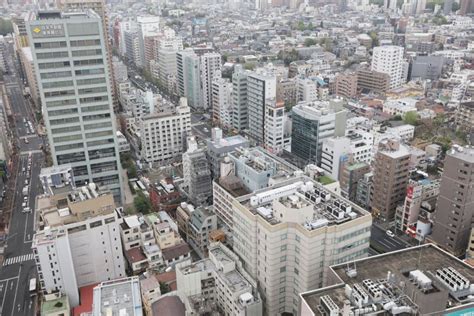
<point>33,287</point>
<point>25,190</point>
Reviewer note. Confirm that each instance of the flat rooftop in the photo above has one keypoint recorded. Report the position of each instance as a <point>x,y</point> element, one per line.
<point>389,271</point>
<point>118,297</point>
<point>306,196</point>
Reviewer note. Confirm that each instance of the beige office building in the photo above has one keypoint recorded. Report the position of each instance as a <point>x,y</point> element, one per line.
<point>288,234</point>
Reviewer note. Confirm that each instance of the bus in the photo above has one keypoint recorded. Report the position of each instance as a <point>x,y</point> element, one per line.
<point>33,287</point>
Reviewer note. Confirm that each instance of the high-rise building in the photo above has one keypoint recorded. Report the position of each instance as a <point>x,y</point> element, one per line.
<point>221,101</point>
<point>287,234</point>
<point>210,66</point>
<point>160,143</point>
<point>448,7</point>
<point>465,7</point>
<point>275,138</point>
<point>313,122</point>
<point>70,57</point>
<point>346,85</point>
<point>99,7</point>
<point>372,80</point>
<point>239,99</point>
<point>260,88</point>
<point>197,181</point>
<point>166,50</point>
<point>77,242</point>
<point>455,206</point>
<point>189,77</point>
<point>391,168</point>
<point>350,176</point>
<point>148,27</point>
<point>389,60</point>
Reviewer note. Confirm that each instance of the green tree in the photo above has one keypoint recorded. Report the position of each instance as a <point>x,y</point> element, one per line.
<point>142,203</point>
<point>6,26</point>
<point>411,118</point>
<point>310,26</point>
<point>249,66</point>
<point>301,26</point>
<point>310,42</point>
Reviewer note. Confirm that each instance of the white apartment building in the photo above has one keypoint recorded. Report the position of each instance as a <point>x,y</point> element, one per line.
<point>77,242</point>
<point>168,46</point>
<point>399,106</point>
<point>389,60</point>
<point>306,90</point>
<point>163,133</point>
<point>218,283</point>
<point>287,235</point>
<point>405,132</point>
<point>356,146</point>
<point>73,77</point>
<point>274,127</point>
<point>147,26</point>
<point>222,101</point>
<point>210,65</point>
<point>260,88</point>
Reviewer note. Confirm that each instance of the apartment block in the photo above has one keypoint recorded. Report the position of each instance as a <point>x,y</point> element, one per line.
<point>285,235</point>
<point>210,66</point>
<point>389,60</point>
<point>391,167</point>
<point>418,192</point>
<point>346,85</point>
<point>218,284</point>
<point>275,138</point>
<point>465,117</point>
<point>196,174</point>
<point>240,119</point>
<point>189,77</point>
<point>372,80</point>
<point>218,147</point>
<point>115,297</point>
<point>77,241</point>
<point>221,101</point>
<point>70,56</point>
<point>455,206</point>
<point>163,133</point>
<point>349,177</point>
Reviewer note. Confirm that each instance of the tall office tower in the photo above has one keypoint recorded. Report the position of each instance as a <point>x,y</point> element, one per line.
<point>77,241</point>
<point>239,99</point>
<point>455,207</point>
<point>99,7</point>
<point>274,127</point>
<point>389,60</point>
<point>197,174</point>
<point>69,53</point>
<point>465,7</point>
<point>165,57</point>
<point>448,7</point>
<point>221,101</point>
<point>189,77</point>
<point>132,47</point>
<point>421,6</point>
<point>313,122</point>
<point>260,88</point>
<point>289,233</point>
<point>148,27</point>
<point>391,167</point>
<point>210,65</point>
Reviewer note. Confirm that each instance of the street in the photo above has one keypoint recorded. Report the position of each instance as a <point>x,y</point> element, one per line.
<point>380,241</point>
<point>19,266</point>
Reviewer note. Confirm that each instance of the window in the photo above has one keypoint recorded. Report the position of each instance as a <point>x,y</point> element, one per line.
<point>57,84</point>
<point>297,272</point>
<point>56,74</point>
<point>86,72</point>
<point>81,82</point>
<point>51,104</point>
<point>282,269</point>
<point>95,224</point>
<point>58,64</point>
<point>283,248</point>
<point>86,52</point>
<point>51,55</point>
<point>82,43</point>
<point>88,62</point>
<point>50,45</point>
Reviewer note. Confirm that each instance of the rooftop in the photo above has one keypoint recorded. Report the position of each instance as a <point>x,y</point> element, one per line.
<point>464,153</point>
<point>168,306</point>
<point>425,279</point>
<point>301,200</point>
<point>118,297</point>
<point>57,305</point>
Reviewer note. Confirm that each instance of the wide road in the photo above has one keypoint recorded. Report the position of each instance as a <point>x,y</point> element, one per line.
<point>380,241</point>
<point>19,266</point>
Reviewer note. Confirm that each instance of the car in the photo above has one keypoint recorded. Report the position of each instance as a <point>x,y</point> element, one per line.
<point>23,169</point>
<point>390,233</point>
<point>26,181</point>
<point>26,140</point>
<point>23,204</point>
<point>26,210</point>
<point>25,198</point>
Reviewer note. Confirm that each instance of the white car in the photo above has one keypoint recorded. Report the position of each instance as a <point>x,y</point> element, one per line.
<point>26,210</point>
<point>390,233</point>
<point>23,204</point>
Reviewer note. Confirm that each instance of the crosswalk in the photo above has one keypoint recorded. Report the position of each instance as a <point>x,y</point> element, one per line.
<point>18,259</point>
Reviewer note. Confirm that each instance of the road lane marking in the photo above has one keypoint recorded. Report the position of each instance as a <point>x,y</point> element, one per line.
<point>18,259</point>
<point>384,244</point>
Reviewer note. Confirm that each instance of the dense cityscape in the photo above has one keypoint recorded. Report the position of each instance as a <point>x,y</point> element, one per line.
<point>236,157</point>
